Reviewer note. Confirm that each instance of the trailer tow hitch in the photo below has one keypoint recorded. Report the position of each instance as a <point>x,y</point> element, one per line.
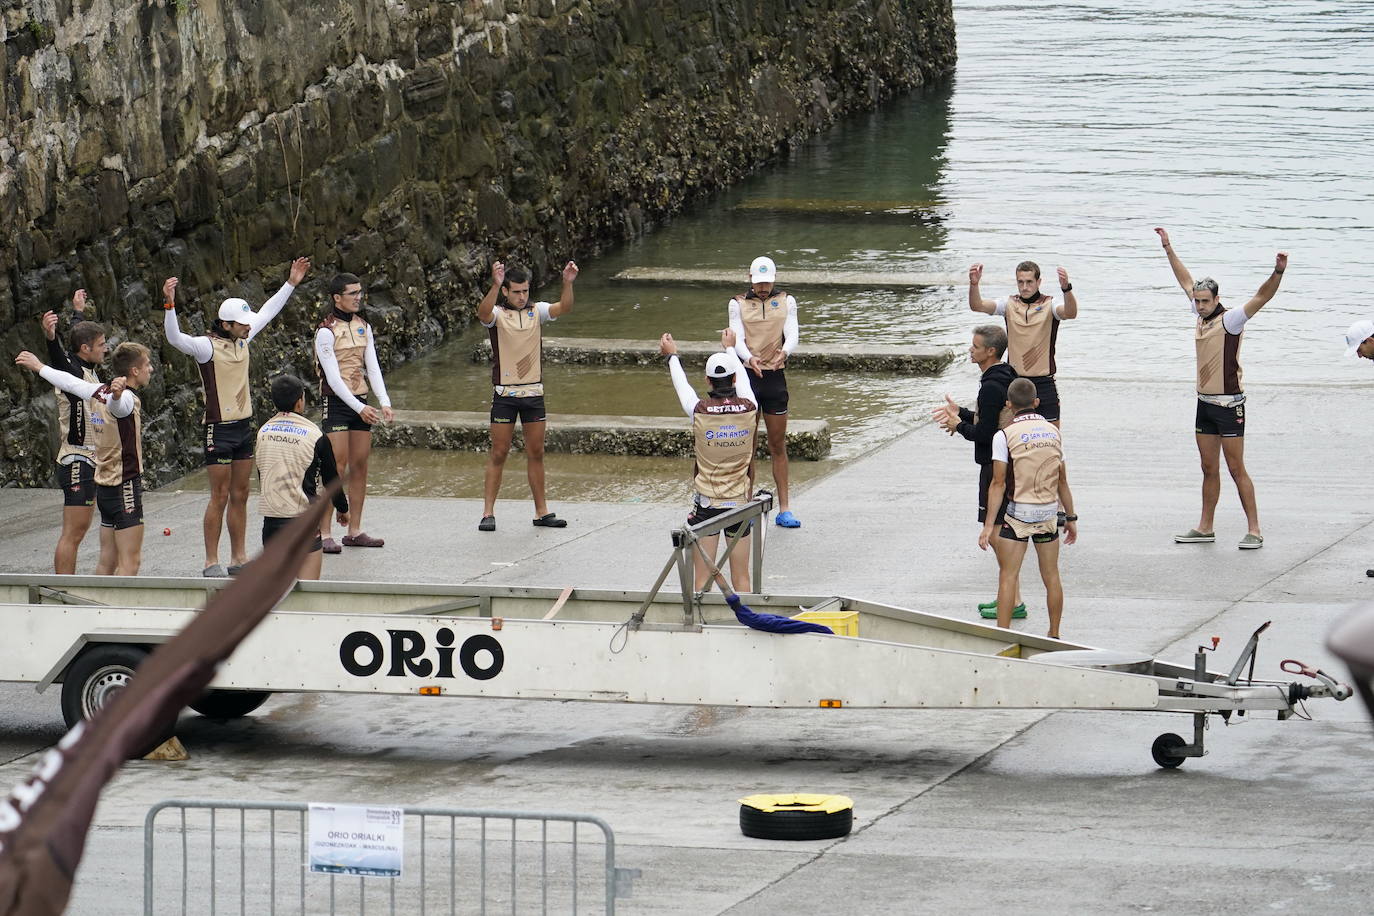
<point>1328,686</point>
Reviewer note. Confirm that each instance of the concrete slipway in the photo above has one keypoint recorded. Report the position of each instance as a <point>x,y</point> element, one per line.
<point>955,813</point>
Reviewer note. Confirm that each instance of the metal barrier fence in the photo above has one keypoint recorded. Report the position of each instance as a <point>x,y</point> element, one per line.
<point>250,858</point>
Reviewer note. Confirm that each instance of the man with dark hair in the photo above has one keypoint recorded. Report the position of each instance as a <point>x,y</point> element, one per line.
<point>1032,327</point>
<point>223,360</point>
<point>764,320</point>
<point>1030,454</point>
<point>981,426</point>
<point>517,377</point>
<point>724,429</point>
<point>76,449</point>
<point>346,358</point>
<point>1220,422</point>
<point>116,415</point>
<point>290,452</point>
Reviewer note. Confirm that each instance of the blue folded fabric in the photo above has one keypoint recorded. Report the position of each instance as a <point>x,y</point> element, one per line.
<point>772,623</point>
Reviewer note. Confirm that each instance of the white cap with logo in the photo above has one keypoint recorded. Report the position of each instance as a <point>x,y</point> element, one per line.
<point>763,270</point>
<point>237,310</point>
<point>720,365</point>
<point>1359,332</point>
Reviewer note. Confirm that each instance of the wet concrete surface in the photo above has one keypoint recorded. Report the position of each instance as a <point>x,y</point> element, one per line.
<point>954,811</point>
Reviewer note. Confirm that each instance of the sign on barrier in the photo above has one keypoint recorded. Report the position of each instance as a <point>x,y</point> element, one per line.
<point>356,840</point>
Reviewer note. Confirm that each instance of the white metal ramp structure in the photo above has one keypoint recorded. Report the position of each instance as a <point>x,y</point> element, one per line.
<point>515,642</point>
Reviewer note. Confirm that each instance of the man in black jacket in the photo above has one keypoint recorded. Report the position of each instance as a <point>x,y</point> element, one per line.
<point>979,426</point>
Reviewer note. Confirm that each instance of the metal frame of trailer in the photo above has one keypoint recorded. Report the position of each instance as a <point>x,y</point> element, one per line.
<point>89,632</point>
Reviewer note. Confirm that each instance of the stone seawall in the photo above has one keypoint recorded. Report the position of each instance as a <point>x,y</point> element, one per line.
<point>409,142</point>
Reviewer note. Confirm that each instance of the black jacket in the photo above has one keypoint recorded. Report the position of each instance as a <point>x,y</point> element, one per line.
<point>992,397</point>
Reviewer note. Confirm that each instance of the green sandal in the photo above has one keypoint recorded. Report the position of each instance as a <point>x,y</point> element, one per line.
<point>988,611</point>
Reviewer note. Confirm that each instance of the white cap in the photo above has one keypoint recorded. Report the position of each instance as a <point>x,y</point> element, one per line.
<point>1359,332</point>
<point>763,270</point>
<point>236,310</point>
<point>720,366</point>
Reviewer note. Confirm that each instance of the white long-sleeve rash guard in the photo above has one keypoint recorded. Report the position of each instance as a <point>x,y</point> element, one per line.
<point>329,363</point>
<point>121,406</point>
<point>200,348</point>
<point>791,334</point>
<point>688,398</point>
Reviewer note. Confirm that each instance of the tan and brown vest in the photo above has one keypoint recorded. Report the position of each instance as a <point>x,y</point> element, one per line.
<point>516,346</point>
<point>1036,453</point>
<point>75,430</point>
<point>1218,356</point>
<point>724,430</point>
<point>118,441</point>
<point>285,448</point>
<point>763,320</point>
<point>225,380</point>
<point>350,352</point>
<point>1031,333</point>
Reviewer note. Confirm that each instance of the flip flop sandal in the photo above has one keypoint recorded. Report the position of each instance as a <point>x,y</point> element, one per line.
<point>362,540</point>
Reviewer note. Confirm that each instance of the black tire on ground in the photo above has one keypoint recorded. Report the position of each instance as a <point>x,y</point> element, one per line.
<point>795,825</point>
<point>1164,751</point>
<point>92,680</point>
<point>229,704</point>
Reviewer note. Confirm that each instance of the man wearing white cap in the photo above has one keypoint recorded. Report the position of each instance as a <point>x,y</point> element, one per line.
<point>724,429</point>
<point>222,358</point>
<point>765,324</point>
<point>1220,419</point>
<point>1359,340</point>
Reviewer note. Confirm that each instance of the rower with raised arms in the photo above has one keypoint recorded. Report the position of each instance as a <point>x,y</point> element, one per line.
<point>223,359</point>
<point>1219,425</point>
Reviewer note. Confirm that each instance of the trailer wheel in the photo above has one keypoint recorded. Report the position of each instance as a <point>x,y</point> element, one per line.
<point>1164,748</point>
<point>95,677</point>
<point>796,817</point>
<point>229,704</point>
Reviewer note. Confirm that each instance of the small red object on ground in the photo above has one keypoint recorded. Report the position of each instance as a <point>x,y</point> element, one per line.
<point>167,531</point>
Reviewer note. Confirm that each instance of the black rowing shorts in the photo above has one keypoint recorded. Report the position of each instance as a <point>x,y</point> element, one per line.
<point>228,442</point>
<point>770,390</point>
<point>339,417</point>
<point>271,525</point>
<point>1227,422</point>
<point>122,506</point>
<point>78,484</point>
<point>505,409</point>
<point>1048,394</point>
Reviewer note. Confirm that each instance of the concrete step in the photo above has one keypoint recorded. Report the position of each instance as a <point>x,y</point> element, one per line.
<point>887,210</point>
<point>602,351</point>
<point>469,431</point>
<point>833,279</point>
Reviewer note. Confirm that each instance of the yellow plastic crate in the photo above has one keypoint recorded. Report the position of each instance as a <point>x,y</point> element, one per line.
<point>844,623</point>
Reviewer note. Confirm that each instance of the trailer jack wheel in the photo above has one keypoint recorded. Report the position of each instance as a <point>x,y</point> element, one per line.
<point>804,816</point>
<point>1165,750</point>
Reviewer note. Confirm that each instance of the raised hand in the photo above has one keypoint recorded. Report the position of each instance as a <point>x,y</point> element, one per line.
<point>1163,236</point>
<point>79,300</point>
<point>666,345</point>
<point>169,289</point>
<point>570,271</point>
<point>498,273</point>
<point>727,338</point>
<point>49,320</point>
<point>28,361</point>
<point>299,268</point>
<point>118,385</point>
<point>1280,262</point>
<point>1063,278</point>
<point>975,274</point>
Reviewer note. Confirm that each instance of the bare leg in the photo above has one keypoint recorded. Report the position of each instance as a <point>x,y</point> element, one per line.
<point>339,443</point>
<point>1048,556</point>
<point>219,475</point>
<point>311,565</point>
<point>502,435</point>
<point>775,425</point>
<point>534,465</point>
<point>129,544</point>
<point>109,552</point>
<point>1009,570</point>
<point>708,546</point>
<point>1000,544</point>
<point>739,565</point>
<point>1209,450</point>
<point>240,472</point>
<point>1234,449</point>
<point>76,521</point>
<point>359,451</point>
